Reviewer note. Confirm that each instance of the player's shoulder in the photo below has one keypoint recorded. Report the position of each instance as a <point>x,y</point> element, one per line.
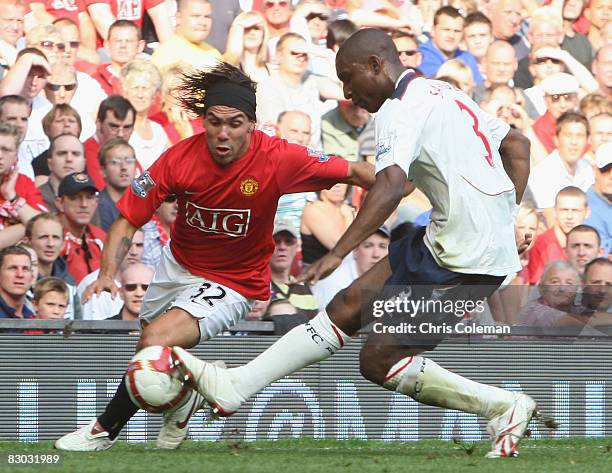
<point>270,148</point>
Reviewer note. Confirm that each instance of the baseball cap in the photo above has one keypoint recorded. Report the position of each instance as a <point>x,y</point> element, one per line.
<point>74,183</point>
<point>603,155</point>
<point>559,84</point>
<point>284,226</point>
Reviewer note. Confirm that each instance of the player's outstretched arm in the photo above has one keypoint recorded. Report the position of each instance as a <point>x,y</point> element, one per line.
<point>117,245</point>
<point>361,174</point>
<point>383,198</point>
<point>515,154</point>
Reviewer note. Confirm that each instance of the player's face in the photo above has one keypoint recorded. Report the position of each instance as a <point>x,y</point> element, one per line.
<point>228,133</point>
<point>370,252</point>
<point>120,167</point>
<point>572,141</point>
<point>581,248</point>
<point>601,131</point>
<point>447,33</point>
<point>68,156</point>
<point>16,275</point>
<point>17,114</point>
<point>559,287</point>
<point>366,86</point>
<point>570,211</point>
<point>284,251</point>
<point>47,240</point>
<point>52,305</point>
<point>113,127</point>
<point>598,287</point>
<point>79,208</point>
<point>136,250</point>
<point>8,153</point>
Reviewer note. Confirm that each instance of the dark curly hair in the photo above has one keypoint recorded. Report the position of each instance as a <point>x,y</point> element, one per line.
<point>191,94</point>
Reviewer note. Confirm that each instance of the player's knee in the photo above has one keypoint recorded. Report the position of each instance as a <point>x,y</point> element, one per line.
<point>344,310</point>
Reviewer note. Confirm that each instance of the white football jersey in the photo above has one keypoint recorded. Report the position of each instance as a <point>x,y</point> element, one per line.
<point>449,148</point>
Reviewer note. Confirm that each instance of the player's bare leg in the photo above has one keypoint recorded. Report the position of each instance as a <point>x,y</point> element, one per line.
<point>306,344</point>
<point>402,369</point>
<point>175,327</point>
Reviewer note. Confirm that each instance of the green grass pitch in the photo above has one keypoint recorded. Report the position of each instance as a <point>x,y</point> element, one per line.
<point>307,455</point>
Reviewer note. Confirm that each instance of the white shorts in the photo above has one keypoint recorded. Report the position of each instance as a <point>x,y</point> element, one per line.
<point>216,306</point>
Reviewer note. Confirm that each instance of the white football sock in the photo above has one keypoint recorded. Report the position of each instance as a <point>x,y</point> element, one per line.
<point>427,382</point>
<point>304,345</point>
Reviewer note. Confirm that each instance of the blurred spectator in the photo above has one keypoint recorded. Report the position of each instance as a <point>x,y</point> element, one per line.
<point>247,45</point>
<point>598,13</point>
<point>157,10</point>
<point>157,231</point>
<point>100,307</point>
<point>504,102</point>
<point>341,127</point>
<point>15,110</point>
<point>46,12</point>
<point>600,132</point>
<point>293,126</point>
<point>546,61</point>
<point>560,96</point>
<point>223,14</point>
<point>600,197</point>
<point>124,43</point>
<point>446,36</point>
<point>118,163</point>
<point>115,119</point>
<point>77,201</point>
<point>45,234</point>
<point>461,74</point>
<point>12,13</point>
<point>408,49</point>
<point>177,122</point>
<point>597,294</point>
<point>338,32</point>
<point>20,200</point>
<point>606,33</point>
<point>288,297</point>
<point>47,39</point>
<point>527,222</point>
<point>570,210</point>
<point>602,69</point>
<point>135,280</point>
<point>499,65</point>
<point>187,45</point>
<point>290,88</point>
<point>324,221</point>
<point>316,13</point>
<point>594,104</point>
<point>565,166</point>
<point>33,259</point>
<point>278,17</point>
<point>51,299</point>
<point>15,281</point>
<point>506,18</point>
<point>62,119</point>
<point>141,82</point>
<point>583,246</point>
<point>362,259</point>
<point>66,156</point>
<point>477,36</point>
<point>577,44</point>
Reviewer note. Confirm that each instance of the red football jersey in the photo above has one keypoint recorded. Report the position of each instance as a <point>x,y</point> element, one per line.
<point>223,230</point>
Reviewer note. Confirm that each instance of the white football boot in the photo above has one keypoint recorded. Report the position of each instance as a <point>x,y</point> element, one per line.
<point>213,382</point>
<point>86,439</point>
<point>508,428</point>
<point>174,430</point>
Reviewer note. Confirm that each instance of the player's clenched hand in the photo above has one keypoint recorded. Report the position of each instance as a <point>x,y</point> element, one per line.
<point>320,269</point>
<point>523,240</point>
<point>103,283</point>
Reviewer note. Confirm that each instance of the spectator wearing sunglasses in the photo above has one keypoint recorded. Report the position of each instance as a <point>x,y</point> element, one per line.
<point>135,280</point>
<point>98,307</point>
<point>408,49</point>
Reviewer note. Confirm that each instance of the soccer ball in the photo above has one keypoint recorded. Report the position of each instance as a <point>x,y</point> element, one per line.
<point>155,381</point>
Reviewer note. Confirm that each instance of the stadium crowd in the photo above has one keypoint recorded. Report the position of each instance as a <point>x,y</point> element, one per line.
<point>88,101</point>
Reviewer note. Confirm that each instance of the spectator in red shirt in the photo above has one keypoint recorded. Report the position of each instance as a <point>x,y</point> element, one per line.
<point>83,242</point>
<point>20,200</point>
<point>570,210</point>
<point>124,43</point>
<point>116,117</point>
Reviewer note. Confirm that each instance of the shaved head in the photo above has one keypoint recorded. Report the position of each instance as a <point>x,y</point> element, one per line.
<point>369,42</point>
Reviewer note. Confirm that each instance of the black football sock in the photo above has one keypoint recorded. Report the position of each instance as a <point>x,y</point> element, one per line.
<point>118,411</point>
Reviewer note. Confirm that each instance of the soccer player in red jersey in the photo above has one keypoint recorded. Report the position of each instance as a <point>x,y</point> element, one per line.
<point>228,181</point>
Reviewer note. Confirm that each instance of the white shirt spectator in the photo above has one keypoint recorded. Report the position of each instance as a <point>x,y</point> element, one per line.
<point>342,277</point>
<point>550,176</point>
<point>147,151</point>
<point>99,307</point>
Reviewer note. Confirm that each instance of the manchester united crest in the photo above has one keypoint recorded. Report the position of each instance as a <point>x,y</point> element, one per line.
<point>249,186</point>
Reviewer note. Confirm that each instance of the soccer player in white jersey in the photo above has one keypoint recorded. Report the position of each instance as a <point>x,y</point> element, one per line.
<point>474,170</point>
